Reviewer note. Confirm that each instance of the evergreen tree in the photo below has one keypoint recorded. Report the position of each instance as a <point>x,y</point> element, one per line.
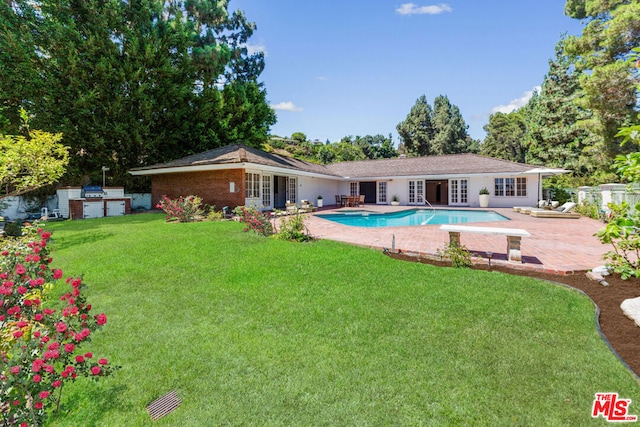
<point>440,130</point>
<point>450,130</point>
<point>134,83</point>
<point>505,133</point>
<point>554,137</point>
<point>607,80</point>
<point>417,130</point>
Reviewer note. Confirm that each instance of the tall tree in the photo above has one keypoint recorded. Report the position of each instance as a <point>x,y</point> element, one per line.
<point>440,130</point>
<point>450,130</point>
<point>608,81</point>
<point>137,82</point>
<point>417,131</point>
<point>505,133</point>
<point>553,136</point>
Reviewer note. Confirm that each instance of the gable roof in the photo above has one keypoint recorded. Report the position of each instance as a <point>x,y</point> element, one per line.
<point>449,164</point>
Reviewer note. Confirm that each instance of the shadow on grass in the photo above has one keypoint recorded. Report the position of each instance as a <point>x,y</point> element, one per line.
<point>105,399</point>
<point>86,237</point>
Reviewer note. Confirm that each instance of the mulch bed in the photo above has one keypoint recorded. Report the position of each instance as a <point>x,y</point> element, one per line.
<point>621,332</point>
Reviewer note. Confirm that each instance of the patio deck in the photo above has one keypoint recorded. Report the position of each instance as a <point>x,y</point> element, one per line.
<point>556,245</point>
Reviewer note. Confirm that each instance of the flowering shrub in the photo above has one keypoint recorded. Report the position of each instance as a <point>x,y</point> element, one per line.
<point>39,343</point>
<point>254,220</point>
<point>621,232</point>
<point>183,209</point>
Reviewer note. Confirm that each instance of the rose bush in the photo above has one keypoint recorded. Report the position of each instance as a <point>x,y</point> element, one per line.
<point>40,341</point>
<point>183,209</point>
<point>254,220</point>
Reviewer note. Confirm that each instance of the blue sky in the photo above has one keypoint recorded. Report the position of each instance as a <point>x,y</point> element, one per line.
<point>356,67</point>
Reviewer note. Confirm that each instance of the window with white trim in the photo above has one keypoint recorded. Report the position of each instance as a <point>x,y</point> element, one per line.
<point>510,187</point>
<point>521,186</point>
<point>354,189</point>
<point>459,191</point>
<point>416,192</point>
<point>251,185</point>
<point>292,187</point>
<point>266,190</point>
<point>382,191</point>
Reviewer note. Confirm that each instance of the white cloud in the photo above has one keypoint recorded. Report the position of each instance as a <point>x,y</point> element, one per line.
<point>255,48</point>
<point>414,9</point>
<point>321,78</point>
<point>286,106</point>
<point>515,103</point>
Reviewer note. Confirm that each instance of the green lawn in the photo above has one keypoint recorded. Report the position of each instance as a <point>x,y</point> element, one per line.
<point>257,331</point>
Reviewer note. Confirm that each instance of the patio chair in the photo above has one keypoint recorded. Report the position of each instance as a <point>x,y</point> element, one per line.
<point>360,201</point>
<point>338,200</point>
<point>291,208</point>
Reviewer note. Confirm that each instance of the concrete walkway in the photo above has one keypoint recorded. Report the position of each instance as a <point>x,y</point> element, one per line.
<point>558,246</point>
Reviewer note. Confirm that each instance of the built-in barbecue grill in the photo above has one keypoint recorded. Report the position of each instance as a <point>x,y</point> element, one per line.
<point>92,192</point>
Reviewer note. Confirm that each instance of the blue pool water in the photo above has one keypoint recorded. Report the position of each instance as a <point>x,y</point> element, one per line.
<point>413,217</point>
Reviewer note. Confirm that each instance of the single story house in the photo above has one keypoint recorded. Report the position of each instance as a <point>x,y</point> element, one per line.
<point>237,175</point>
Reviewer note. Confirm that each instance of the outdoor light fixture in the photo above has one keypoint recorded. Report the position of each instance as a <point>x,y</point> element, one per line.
<point>489,255</point>
<point>104,175</point>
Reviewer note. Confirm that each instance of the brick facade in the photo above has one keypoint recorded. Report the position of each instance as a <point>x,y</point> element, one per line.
<point>212,186</point>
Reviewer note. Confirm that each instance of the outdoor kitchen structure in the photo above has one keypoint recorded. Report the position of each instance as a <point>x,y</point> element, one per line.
<point>92,201</point>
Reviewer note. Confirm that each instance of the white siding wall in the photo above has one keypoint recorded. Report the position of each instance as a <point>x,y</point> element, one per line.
<point>309,188</point>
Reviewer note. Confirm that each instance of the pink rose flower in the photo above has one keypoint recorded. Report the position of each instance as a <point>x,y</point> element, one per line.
<point>101,319</point>
<point>95,370</point>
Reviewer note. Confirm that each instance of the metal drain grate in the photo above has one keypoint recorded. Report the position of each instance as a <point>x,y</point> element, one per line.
<point>164,405</point>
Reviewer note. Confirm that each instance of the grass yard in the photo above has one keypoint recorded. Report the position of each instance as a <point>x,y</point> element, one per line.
<point>257,331</point>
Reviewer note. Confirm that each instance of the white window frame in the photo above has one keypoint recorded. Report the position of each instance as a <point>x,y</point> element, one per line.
<point>251,185</point>
<point>266,191</point>
<point>416,190</point>
<point>510,187</point>
<point>459,191</point>
<point>354,188</point>
<point>521,186</point>
<point>292,189</point>
<point>382,192</point>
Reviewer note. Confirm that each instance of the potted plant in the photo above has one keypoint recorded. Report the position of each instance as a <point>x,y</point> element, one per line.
<point>395,201</point>
<point>484,197</point>
<point>319,200</point>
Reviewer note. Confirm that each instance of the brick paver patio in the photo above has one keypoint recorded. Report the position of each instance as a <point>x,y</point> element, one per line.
<point>559,246</point>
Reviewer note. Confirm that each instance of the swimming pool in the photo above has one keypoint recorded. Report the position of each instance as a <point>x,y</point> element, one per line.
<point>413,217</point>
